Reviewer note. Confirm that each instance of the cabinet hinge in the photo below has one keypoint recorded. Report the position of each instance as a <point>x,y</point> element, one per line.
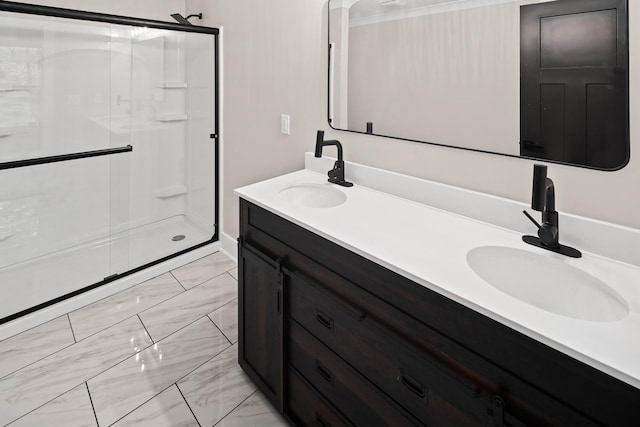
<point>240,247</point>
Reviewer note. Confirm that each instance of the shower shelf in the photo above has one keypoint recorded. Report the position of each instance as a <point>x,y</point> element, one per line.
<point>17,87</point>
<point>171,85</point>
<point>171,118</point>
<point>167,192</point>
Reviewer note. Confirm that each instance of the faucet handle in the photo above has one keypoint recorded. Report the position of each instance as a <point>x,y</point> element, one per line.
<point>319,141</point>
<point>532,219</point>
<point>538,193</point>
<point>547,233</point>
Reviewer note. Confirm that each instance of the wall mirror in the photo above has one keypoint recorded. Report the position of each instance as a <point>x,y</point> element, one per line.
<point>537,79</point>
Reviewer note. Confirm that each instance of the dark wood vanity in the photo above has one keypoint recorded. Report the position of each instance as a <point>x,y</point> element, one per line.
<point>334,339</point>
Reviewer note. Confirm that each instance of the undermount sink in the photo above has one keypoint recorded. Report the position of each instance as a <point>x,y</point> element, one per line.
<point>547,283</point>
<point>314,195</point>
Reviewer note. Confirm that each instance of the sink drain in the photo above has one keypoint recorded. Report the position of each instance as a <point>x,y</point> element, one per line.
<point>178,237</point>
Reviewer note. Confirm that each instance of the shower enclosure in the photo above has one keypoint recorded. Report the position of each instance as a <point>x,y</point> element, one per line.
<point>108,149</point>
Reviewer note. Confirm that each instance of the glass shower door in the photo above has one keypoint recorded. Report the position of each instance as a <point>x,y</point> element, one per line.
<point>108,149</point>
<point>64,178</point>
<point>173,175</point>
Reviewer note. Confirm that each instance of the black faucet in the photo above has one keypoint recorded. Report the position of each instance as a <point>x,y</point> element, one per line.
<point>336,175</point>
<point>543,199</point>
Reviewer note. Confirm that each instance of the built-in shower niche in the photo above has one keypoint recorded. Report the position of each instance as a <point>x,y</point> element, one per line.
<point>71,86</point>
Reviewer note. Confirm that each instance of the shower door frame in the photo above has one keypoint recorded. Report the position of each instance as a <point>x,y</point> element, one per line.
<point>7,6</point>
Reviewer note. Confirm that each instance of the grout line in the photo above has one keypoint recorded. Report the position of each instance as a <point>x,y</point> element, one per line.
<point>225,304</point>
<point>176,279</point>
<point>45,404</point>
<point>146,330</point>
<point>142,404</point>
<point>188,406</point>
<point>30,329</point>
<point>181,378</point>
<point>133,354</point>
<point>149,346</point>
<point>209,278</point>
<point>168,297</point>
<point>71,327</point>
<point>99,373</point>
<point>217,327</point>
<point>91,400</point>
<point>43,357</point>
<point>209,359</point>
<point>125,357</point>
<point>233,410</point>
<point>122,361</point>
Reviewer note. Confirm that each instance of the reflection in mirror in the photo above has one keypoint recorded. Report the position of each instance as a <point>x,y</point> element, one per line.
<point>537,79</point>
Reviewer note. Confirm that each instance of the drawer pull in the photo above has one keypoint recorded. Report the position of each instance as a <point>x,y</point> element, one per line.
<point>324,372</point>
<point>320,422</point>
<point>412,385</point>
<point>324,320</point>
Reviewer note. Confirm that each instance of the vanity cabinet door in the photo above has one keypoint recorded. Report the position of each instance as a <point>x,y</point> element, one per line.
<point>260,321</point>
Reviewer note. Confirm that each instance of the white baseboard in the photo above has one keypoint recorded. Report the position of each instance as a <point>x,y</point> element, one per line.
<point>229,246</point>
<point>41,316</point>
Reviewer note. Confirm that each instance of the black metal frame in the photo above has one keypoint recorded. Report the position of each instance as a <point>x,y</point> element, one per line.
<point>64,157</point>
<point>24,8</point>
<point>58,12</point>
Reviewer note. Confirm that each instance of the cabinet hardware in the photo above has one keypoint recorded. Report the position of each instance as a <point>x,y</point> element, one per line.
<point>324,320</point>
<point>278,299</point>
<point>495,412</point>
<point>279,281</point>
<point>326,374</point>
<point>320,422</point>
<point>412,384</point>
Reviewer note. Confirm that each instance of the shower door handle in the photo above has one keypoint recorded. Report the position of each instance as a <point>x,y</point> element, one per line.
<point>64,157</point>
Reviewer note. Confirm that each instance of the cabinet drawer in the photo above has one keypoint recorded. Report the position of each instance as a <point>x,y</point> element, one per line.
<point>307,408</point>
<point>416,384</point>
<point>398,366</point>
<point>360,401</point>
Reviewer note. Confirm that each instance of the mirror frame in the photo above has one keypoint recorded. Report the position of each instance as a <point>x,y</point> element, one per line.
<point>479,150</point>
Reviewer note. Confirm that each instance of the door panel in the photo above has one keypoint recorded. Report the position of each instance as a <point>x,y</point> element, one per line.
<point>574,82</point>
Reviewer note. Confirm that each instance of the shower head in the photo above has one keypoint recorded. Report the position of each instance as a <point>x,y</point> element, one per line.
<point>185,21</point>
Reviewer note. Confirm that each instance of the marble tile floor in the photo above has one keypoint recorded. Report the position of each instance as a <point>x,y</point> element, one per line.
<point>162,353</point>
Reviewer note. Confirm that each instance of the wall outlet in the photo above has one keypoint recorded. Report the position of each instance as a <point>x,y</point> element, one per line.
<point>284,124</point>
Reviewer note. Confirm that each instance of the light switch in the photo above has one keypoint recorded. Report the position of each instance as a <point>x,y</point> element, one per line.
<point>284,124</point>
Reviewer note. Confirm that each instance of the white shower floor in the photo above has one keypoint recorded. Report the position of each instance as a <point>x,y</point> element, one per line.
<point>27,284</point>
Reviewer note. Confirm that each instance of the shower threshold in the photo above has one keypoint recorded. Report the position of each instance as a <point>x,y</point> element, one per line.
<point>47,278</point>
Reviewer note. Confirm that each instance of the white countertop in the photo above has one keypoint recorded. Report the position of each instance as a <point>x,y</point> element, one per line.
<point>429,246</point>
